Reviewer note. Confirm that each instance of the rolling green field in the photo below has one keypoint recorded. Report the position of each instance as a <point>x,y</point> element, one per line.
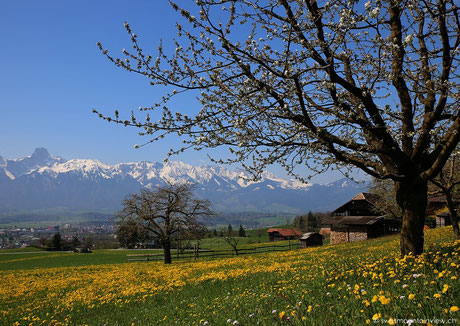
<point>32,257</point>
<point>348,284</point>
<point>50,259</point>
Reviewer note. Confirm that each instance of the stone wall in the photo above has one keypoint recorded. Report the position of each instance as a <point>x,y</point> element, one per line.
<point>357,233</point>
<point>341,234</point>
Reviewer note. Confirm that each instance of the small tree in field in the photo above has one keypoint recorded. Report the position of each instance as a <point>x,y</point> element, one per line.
<point>75,241</point>
<point>312,222</point>
<point>233,242</point>
<point>241,232</point>
<point>57,241</point>
<point>317,84</point>
<point>230,230</point>
<point>301,222</point>
<point>165,212</point>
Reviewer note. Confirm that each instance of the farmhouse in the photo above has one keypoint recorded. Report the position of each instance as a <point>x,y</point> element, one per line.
<point>436,209</point>
<point>310,239</point>
<point>363,204</point>
<point>359,219</point>
<point>443,219</point>
<point>277,234</point>
<point>435,204</point>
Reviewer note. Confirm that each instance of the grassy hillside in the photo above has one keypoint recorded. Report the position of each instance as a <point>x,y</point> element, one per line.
<point>348,284</point>
<point>49,259</point>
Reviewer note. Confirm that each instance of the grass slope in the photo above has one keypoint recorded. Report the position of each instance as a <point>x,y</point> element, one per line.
<point>23,259</point>
<point>347,284</point>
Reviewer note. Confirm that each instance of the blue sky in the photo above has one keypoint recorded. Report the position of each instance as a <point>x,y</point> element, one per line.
<point>52,75</point>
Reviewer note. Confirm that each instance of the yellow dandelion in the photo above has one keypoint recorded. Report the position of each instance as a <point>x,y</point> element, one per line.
<point>454,309</point>
<point>445,288</point>
<point>383,300</point>
<point>411,296</point>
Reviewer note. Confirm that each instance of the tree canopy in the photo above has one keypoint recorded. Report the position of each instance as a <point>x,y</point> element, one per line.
<point>313,83</point>
<point>130,233</point>
<point>165,212</point>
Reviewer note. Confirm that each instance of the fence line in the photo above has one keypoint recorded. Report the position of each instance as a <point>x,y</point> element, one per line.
<point>211,254</point>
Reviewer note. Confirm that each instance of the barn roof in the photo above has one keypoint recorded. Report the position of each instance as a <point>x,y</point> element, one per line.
<point>362,196</point>
<point>307,235</point>
<point>371,198</point>
<point>353,220</point>
<point>285,232</point>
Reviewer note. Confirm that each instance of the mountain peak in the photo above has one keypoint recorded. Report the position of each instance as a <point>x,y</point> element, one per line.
<point>40,154</point>
<point>39,158</point>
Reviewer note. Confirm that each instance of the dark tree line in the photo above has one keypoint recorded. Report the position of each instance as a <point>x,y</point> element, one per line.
<point>310,222</point>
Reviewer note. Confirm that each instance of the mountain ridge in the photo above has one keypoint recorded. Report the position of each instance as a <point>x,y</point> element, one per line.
<point>43,181</point>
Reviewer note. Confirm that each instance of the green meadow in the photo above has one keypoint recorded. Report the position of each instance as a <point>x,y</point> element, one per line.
<point>348,284</point>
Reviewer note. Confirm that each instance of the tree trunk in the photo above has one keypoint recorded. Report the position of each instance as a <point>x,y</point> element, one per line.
<point>453,215</point>
<point>412,198</point>
<point>167,251</point>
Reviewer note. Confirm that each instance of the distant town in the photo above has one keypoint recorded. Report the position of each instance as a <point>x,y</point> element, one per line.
<point>102,234</point>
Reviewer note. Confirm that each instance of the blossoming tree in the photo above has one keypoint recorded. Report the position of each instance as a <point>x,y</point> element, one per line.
<point>315,83</point>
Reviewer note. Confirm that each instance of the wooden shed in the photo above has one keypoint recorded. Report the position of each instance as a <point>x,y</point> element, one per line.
<point>310,239</point>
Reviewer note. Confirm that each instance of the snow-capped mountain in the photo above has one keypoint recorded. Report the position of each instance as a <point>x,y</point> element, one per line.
<point>18,167</point>
<point>44,181</point>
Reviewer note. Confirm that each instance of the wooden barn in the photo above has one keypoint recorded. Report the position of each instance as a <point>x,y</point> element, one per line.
<point>435,204</point>
<point>310,239</point>
<point>359,219</point>
<point>443,219</point>
<point>437,209</point>
<point>355,228</point>
<point>277,234</point>
<point>363,204</point>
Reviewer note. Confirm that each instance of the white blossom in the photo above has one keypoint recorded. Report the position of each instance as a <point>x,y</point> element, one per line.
<point>375,12</point>
<point>408,39</point>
